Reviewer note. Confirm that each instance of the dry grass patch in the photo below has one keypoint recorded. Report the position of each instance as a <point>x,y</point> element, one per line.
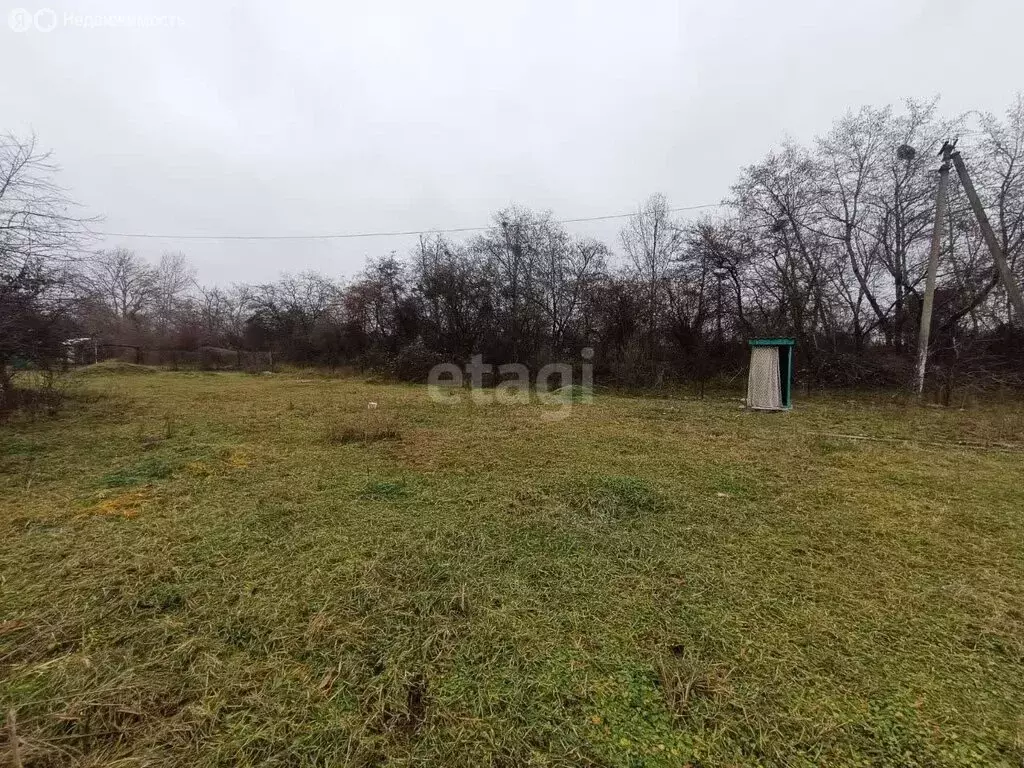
<point>127,504</point>
<point>344,434</point>
<point>369,427</point>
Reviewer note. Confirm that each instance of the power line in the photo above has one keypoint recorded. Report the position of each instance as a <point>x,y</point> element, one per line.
<point>353,235</point>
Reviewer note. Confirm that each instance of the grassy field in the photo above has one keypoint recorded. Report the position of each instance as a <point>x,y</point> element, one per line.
<point>224,569</point>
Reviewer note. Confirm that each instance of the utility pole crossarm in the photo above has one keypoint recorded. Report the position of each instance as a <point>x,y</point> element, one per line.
<point>1005,276</point>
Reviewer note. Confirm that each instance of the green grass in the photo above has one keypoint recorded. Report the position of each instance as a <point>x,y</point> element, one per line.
<point>201,570</point>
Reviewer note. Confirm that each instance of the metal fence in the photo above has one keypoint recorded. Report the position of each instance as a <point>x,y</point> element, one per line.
<point>201,358</point>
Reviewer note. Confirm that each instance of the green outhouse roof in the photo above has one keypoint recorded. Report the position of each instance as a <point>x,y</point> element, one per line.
<point>780,342</point>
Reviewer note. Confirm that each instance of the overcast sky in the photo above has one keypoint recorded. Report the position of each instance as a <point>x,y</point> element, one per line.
<point>303,118</point>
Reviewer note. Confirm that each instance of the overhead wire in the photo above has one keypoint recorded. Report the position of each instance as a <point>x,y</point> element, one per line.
<point>354,235</point>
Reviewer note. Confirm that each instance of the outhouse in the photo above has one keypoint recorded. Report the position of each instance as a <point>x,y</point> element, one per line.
<point>770,382</point>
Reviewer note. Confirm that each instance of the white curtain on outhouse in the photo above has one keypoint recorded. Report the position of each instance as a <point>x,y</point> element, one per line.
<point>764,388</point>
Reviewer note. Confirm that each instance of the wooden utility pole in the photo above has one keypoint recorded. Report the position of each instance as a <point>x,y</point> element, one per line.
<point>933,266</point>
<point>1009,284</point>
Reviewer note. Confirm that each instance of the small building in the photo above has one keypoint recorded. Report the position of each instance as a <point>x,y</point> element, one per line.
<point>770,382</point>
<point>81,351</point>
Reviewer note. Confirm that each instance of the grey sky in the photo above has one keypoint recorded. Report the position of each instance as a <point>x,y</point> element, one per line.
<point>291,118</point>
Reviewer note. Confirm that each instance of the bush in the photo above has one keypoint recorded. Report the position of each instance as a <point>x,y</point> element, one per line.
<point>414,361</point>
<point>36,393</point>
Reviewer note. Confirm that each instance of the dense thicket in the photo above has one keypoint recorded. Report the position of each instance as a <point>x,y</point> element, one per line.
<point>826,243</point>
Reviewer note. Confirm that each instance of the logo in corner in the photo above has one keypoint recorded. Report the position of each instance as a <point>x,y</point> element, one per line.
<point>45,19</point>
<point>22,20</point>
<point>19,20</point>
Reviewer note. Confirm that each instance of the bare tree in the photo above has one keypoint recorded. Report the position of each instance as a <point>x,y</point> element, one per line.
<point>510,252</point>
<point>652,242</point>
<point>780,198</point>
<point>125,284</point>
<point>902,207</point>
<point>40,244</point>
<point>173,278</point>
<point>1002,172</point>
<point>454,293</point>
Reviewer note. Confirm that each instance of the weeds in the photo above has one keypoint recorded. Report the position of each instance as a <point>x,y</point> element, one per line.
<point>147,470</point>
<point>35,394</point>
<point>341,434</point>
<point>369,428</point>
<point>616,497</point>
<point>686,681</point>
<point>386,489</point>
<point>115,368</point>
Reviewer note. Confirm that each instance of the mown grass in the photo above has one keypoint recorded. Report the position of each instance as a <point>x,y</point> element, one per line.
<point>201,569</point>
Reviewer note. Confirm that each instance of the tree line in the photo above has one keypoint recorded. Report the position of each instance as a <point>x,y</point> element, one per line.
<point>826,242</point>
